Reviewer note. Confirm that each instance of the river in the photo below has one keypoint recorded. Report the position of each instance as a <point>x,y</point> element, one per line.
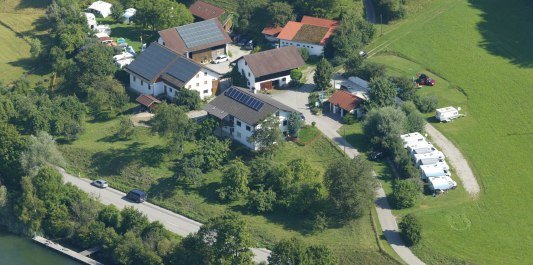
<point>19,250</point>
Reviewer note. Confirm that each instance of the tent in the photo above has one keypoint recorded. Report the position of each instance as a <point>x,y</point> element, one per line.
<point>128,14</point>
<point>91,20</point>
<point>101,7</point>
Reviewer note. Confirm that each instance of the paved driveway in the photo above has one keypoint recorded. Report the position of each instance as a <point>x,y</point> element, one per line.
<point>224,67</point>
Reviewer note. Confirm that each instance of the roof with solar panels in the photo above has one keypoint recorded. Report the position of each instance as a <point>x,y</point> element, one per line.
<point>244,105</point>
<point>195,36</point>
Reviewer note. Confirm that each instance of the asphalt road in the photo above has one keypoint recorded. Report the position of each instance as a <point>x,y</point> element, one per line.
<point>176,223</point>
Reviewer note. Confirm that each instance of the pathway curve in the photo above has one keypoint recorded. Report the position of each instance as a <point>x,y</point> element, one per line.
<point>456,159</point>
<point>330,125</point>
<point>174,222</point>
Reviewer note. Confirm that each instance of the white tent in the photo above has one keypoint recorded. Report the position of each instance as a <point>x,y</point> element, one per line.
<point>91,20</point>
<point>130,12</point>
<point>101,7</point>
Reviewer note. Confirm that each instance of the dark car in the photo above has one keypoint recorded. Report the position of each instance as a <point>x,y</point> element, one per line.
<point>137,196</point>
<point>242,41</point>
<point>376,155</point>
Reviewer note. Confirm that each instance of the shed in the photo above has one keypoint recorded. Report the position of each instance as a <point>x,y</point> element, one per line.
<point>446,114</point>
<point>101,7</point>
<point>148,101</point>
<point>344,102</point>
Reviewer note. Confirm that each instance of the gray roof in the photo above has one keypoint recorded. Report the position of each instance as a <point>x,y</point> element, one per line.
<point>223,105</point>
<point>274,61</point>
<point>200,33</point>
<point>158,61</point>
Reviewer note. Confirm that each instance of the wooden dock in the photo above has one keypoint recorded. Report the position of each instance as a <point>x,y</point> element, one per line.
<point>66,251</point>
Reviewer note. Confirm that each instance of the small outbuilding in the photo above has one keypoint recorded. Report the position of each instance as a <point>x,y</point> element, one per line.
<point>101,7</point>
<point>148,102</point>
<point>344,102</point>
<point>447,114</point>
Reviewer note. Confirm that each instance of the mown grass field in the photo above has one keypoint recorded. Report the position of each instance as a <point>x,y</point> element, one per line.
<point>97,154</point>
<point>483,47</point>
<point>19,20</point>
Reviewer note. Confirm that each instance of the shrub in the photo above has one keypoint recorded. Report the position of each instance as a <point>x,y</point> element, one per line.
<point>125,129</point>
<point>305,54</point>
<point>261,201</point>
<point>371,69</point>
<point>319,223</point>
<point>349,119</point>
<point>411,229</point>
<point>426,104</point>
<point>405,193</point>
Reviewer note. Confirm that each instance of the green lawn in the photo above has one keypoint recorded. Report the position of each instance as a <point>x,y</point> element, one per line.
<point>97,154</point>
<point>483,47</point>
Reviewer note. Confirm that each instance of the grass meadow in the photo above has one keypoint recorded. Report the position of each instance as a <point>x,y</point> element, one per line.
<point>480,54</point>
<point>97,154</point>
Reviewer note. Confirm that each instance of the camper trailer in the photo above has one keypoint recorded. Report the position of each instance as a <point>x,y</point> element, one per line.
<point>91,20</point>
<point>433,170</point>
<point>426,158</point>
<point>412,138</point>
<point>447,114</point>
<point>437,184</point>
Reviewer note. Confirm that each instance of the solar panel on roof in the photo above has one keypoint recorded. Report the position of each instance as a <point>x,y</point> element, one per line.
<point>244,98</point>
<point>200,33</point>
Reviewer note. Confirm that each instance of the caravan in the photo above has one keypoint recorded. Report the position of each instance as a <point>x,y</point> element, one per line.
<point>426,158</point>
<point>412,138</point>
<point>447,114</point>
<point>438,184</point>
<point>433,170</point>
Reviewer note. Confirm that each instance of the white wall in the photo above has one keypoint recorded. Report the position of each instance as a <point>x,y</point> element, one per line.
<point>241,134</point>
<point>314,49</point>
<point>203,81</point>
<point>142,86</point>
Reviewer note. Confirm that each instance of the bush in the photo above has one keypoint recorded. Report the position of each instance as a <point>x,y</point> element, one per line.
<point>370,69</point>
<point>319,223</point>
<point>411,230</point>
<point>349,119</point>
<point>405,193</point>
<point>426,104</point>
<point>125,129</point>
<point>305,54</point>
<point>261,201</point>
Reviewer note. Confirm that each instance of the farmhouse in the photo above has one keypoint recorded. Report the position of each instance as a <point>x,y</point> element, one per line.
<point>310,33</point>
<point>201,41</point>
<point>160,71</point>
<point>344,102</point>
<point>100,7</point>
<point>271,33</point>
<point>240,111</point>
<point>204,11</point>
<point>269,69</point>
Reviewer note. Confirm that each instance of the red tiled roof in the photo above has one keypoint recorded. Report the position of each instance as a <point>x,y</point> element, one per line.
<point>147,100</point>
<point>291,29</point>
<point>345,100</point>
<point>205,10</point>
<point>272,31</point>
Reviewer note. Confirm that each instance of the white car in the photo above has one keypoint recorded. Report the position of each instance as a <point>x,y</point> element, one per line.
<point>220,59</point>
<point>100,183</point>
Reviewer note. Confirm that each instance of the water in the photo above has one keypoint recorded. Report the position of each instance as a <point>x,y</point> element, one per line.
<point>15,250</point>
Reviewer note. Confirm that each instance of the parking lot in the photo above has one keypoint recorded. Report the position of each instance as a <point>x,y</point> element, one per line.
<point>224,67</point>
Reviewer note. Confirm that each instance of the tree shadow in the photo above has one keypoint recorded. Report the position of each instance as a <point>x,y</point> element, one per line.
<point>111,162</point>
<point>164,188</point>
<point>506,29</point>
<point>33,4</point>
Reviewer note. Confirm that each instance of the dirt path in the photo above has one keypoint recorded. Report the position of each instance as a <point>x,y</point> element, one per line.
<point>456,159</point>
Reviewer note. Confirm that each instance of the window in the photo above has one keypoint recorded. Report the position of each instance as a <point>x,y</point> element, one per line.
<point>248,128</point>
<point>284,79</point>
<point>189,86</point>
<point>248,83</point>
<point>238,135</point>
<point>197,84</point>
<point>239,123</point>
<point>197,75</point>
<point>142,83</point>
<point>205,82</point>
<point>205,73</point>
<point>134,79</point>
<point>248,74</point>
<point>298,45</point>
<point>285,123</point>
<point>245,63</point>
<point>242,71</point>
<point>206,91</point>
<point>165,88</point>
<point>277,113</point>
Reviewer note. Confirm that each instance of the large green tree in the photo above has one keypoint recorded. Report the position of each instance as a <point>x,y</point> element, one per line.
<point>351,186</point>
<point>323,75</point>
<point>350,36</point>
<point>383,126</point>
<point>12,146</point>
<point>161,14</point>
<point>295,123</point>
<point>267,136</point>
<point>280,13</point>
<point>172,122</point>
<point>41,150</point>
<point>234,181</point>
<point>382,93</point>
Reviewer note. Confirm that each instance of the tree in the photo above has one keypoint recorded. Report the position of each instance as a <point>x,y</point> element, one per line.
<point>267,136</point>
<point>125,128</point>
<point>234,181</point>
<point>95,63</point>
<point>304,53</point>
<point>405,193</point>
<point>35,47</point>
<point>261,169</point>
<point>132,219</point>
<point>407,88</point>
<point>237,78</point>
<point>30,209</point>
<point>383,126</point>
<point>280,13</point>
<point>192,250</point>
<point>352,33</point>
<point>12,146</point>
<point>289,251</point>
<point>261,201</point>
<point>41,150</point>
<point>3,196</point>
<point>117,10</point>
<point>382,93</point>
<point>110,216</point>
<point>370,70</point>
<point>228,238</point>
<point>210,153</point>
<point>7,110</point>
<point>296,76</point>
<point>188,98</point>
<point>353,65</point>
<point>351,186</point>
<point>162,14</point>
<point>207,128</point>
<point>321,255</point>
<point>426,104</point>
<point>172,122</point>
<point>295,123</point>
<point>323,74</point>
<point>411,229</point>
<point>415,120</point>
<point>70,37</point>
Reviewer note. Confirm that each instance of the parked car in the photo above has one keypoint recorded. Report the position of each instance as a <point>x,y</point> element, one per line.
<point>100,183</point>
<point>137,196</point>
<point>424,80</point>
<point>220,59</point>
<point>376,155</point>
<point>363,54</point>
<point>249,45</point>
<point>242,41</point>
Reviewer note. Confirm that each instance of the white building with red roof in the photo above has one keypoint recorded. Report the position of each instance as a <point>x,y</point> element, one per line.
<point>310,33</point>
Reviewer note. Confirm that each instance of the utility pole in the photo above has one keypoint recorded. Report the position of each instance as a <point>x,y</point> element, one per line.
<point>381,19</point>
<point>345,141</point>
